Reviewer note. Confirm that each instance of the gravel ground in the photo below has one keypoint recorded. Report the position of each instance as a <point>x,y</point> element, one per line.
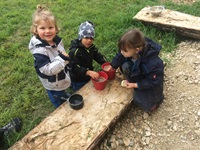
<point>176,124</point>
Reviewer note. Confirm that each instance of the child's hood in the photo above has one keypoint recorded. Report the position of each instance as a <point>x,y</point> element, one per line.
<point>33,42</point>
<point>152,48</point>
<point>75,44</point>
<point>37,42</point>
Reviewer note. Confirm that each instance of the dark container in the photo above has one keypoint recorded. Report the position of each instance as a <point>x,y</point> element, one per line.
<point>76,101</point>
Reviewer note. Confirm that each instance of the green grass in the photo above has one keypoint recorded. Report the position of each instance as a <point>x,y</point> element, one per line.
<point>21,93</point>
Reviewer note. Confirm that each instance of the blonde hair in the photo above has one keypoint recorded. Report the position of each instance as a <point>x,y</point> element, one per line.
<point>42,13</point>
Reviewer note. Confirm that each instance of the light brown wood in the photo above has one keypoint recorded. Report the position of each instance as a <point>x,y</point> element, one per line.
<point>68,129</point>
<point>184,24</point>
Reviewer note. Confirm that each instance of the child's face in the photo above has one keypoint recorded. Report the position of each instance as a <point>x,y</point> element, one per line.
<point>87,41</point>
<point>46,31</point>
<point>130,52</point>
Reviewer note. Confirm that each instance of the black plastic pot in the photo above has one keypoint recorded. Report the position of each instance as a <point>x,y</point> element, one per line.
<point>76,101</point>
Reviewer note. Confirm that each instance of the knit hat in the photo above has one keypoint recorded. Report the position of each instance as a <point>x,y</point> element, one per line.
<point>86,29</point>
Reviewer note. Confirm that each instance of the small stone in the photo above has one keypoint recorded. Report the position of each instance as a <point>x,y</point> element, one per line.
<point>145,115</point>
<point>175,127</point>
<point>120,142</point>
<point>198,113</point>
<point>113,145</point>
<point>131,143</point>
<point>126,141</point>
<point>147,133</point>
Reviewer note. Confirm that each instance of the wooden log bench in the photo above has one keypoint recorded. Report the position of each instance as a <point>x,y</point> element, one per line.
<point>183,24</point>
<point>68,129</point>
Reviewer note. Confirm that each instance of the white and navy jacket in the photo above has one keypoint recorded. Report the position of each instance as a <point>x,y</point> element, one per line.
<point>50,67</point>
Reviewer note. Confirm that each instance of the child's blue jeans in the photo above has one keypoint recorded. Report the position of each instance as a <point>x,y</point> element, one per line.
<point>77,85</point>
<point>57,97</point>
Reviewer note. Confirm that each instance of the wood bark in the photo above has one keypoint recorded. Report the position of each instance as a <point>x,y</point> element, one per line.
<point>183,24</point>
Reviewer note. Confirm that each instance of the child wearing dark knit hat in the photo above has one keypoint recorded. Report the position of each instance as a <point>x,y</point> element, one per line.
<point>86,30</point>
<point>83,52</point>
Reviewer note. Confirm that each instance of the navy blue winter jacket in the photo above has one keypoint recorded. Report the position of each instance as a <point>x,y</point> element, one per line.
<point>147,72</point>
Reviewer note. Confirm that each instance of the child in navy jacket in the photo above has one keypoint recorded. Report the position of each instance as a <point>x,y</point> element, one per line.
<point>142,68</point>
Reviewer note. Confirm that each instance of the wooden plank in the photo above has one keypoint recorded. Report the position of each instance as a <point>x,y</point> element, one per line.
<point>184,24</point>
<point>82,129</point>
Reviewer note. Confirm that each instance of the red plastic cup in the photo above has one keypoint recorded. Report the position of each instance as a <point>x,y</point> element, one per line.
<point>100,83</point>
<point>111,73</point>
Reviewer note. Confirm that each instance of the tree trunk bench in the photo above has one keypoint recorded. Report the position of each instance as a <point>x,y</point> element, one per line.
<point>68,129</point>
<point>184,24</point>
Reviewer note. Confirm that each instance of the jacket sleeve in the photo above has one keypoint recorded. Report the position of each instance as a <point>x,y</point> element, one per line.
<point>118,60</point>
<point>153,76</point>
<point>98,57</point>
<point>44,65</point>
<point>75,63</point>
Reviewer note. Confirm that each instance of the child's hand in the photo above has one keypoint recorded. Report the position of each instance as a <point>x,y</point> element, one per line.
<point>92,74</point>
<point>131,85</point>
<point>64,56</point>
<point>64,53</point>
<point>127,84</point>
